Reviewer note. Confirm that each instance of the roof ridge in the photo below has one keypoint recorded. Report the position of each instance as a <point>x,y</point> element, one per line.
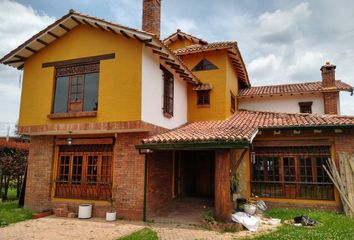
<point>183,33</point>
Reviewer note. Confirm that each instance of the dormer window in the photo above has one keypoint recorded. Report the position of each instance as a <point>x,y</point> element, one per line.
<point>76,88</point>
<point>305,107</point>
<point>204,65</point>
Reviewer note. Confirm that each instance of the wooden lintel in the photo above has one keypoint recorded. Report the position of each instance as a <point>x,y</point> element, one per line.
<point>64,27</point>
<point>42,42</point>
<point>100,27</point>
<point>153,46</point>
<point>160,53</point>
<point>31,49</point>
<point>77,141</point>
<point>53,35</point>
<point>79,60</point>
<point>86,22</point>
<point>76,20</point>
<point>232,53</point>
<point>112,30</point>
<point>124,34</point>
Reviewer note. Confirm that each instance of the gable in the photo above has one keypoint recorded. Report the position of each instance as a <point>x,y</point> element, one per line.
<point>204,65</point>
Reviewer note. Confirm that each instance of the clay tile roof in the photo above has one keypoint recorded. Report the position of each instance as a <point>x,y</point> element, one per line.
<point>243,126</point>
<point>202,47</point>
<point>179,34</point>
<point>291,88</point>
<point>203,87</point>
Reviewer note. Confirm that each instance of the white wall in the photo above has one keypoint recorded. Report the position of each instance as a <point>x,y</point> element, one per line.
<point>289,104</point>
<point>152,94</point>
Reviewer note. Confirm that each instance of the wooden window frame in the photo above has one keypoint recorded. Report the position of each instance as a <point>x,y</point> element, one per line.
<point>305,107</point>
<point>100,189</point>
<point>168,92</point>
<point>232,102</point>
<point>203,98</point>
<point>201,66</point>
<point>295,187</point>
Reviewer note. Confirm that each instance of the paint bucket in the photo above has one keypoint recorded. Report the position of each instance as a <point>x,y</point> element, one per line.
<point>85,211</point>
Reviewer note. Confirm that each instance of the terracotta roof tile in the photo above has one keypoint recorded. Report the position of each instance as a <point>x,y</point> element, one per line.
<point>201,47</point>
<point>203,87</point>
<point>174,36</point>
<point>243,125</point>
<point>291,88</point>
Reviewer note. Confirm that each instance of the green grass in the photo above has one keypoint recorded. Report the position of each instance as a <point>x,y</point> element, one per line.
<point>10,212</point>
<point>332,225</point>
<point>146,234</point>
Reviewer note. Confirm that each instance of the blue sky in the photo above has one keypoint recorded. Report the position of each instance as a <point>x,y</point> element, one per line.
<point>282,41</point>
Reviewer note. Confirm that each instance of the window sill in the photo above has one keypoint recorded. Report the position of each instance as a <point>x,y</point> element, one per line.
<point>203,106</point>
<point>72,115</point>
<point>167,115</point>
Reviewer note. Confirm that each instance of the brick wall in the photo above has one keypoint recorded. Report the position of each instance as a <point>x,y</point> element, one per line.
<point>39,173</point>
<point>151,16</point>
<point>159,188</point>
<point>344,142</point>
<point>331,102</point>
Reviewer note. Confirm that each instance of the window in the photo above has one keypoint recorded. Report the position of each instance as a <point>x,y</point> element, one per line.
<point>203,97</point>
<point>291,172</point>
<point>305,107</point>
<point>168,92</point>
<point>76,88</point>
<point>233,102</point>
<point>204,65</point>
<point>84,171</point>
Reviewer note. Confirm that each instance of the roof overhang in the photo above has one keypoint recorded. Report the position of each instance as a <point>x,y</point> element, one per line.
<point>194,145</point>
<point>65,24</point>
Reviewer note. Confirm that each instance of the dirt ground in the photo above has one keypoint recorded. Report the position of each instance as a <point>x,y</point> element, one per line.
<point>53,228</point>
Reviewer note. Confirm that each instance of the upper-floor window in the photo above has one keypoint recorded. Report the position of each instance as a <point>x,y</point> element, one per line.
<point>168,92</point>
<point>76,88</point>
<point>305,107</point>
<point>204,65</point>
<point>203,97</point>
<point>233,102</point>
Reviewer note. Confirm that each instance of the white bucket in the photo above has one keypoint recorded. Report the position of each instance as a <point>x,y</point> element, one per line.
<point>111,216</point>
<point>85,211</point>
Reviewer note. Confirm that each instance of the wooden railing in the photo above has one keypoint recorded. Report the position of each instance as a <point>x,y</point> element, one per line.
<point>94,191</point>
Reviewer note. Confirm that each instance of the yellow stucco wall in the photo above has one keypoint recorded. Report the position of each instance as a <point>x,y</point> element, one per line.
<point>119,97</point>
<point>222,79</point>
<point>180,44</point>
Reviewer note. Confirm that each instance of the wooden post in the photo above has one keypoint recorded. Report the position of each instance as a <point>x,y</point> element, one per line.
<point>222,185</point>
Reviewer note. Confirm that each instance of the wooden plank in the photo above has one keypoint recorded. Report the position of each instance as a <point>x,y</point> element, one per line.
<point>79,60</point>
<point>31,49</point>
<point>76,20</point>
<point>64,27</point>
<point>100,27</point>
<point>82,141</point>
<point>167,59</point>
<point>53,35</point>
<point>14,61</point>
<point>20,57</point>
<point>112,30</point>
<point>42,42</point>
<point>223,208</point>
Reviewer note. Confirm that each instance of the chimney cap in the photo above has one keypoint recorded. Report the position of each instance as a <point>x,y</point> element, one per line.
<point>328,65</point>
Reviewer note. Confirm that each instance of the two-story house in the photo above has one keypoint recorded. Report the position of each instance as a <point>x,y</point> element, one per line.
<point>116,113</point>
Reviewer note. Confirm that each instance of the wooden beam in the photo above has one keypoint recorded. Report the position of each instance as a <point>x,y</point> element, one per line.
<point>167,59</point>
<point>79,60</point>
<point>232,53</point>
<point>31,49</point>
<point>100,27</point>
<point>14,61</point>
<point>86,22</point>
<point>64,27</point>
<point>21,66</point>
<point>222,197</point>
<point>42,42</point>
<point>20,57</point>
<point>160,53</point>
<point>112,30</point>
<point>53,35</point>
<point>172,64</point>
<point>153,46</point>
<point>180,70</point>
<point>124,34</point>
<point>141,40</point>
<point>76,20</point>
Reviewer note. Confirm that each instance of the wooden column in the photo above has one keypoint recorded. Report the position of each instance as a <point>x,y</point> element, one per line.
<point>222,185</point>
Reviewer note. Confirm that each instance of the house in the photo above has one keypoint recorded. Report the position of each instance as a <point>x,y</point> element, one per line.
<point>116,113</point>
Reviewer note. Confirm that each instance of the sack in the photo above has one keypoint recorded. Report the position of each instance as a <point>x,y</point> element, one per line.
<point>305,221</point>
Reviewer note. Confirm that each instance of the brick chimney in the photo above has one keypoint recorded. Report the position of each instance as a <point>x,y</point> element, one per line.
<point>330,92</point>
<point>151,16</point>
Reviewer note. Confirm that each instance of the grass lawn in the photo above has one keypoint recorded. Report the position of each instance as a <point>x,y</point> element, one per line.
<point>10,212</point>
<point>332,225</point>
<point>146,234</point>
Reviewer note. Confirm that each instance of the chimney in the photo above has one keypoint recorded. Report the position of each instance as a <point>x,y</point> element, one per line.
<point>330,92</point>
<point>328,75</point>
<point>151,16</point>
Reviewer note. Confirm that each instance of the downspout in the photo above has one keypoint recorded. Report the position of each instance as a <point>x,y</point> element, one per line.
<point>145,186</point>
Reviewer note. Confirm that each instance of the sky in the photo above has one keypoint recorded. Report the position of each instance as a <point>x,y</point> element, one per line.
<point>281,41</point>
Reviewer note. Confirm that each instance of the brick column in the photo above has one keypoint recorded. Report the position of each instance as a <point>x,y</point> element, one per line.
<point>151,16</point>
<point>39,173</point>
<point>330,93</point>
<point>222,185</point>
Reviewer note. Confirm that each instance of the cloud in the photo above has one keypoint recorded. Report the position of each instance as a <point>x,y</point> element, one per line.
<point>18,23</point>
